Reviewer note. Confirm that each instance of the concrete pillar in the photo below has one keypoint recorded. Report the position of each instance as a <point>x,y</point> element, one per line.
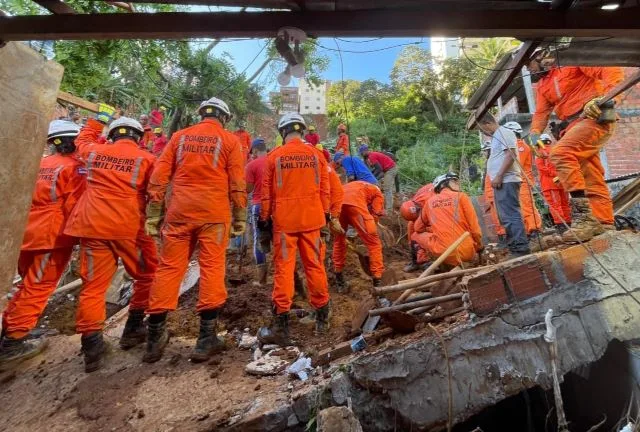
<point>28,88</point>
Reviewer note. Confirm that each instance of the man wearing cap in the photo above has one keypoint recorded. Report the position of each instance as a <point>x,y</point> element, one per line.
<point>354,168</point>
<point>312,137</point>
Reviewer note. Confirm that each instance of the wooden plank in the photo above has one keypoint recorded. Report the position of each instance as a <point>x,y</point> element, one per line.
<point>511,70</point>
<point>28,88</point>
<point>343,349</point>
<point>77,101</point>
<point>428,21</point>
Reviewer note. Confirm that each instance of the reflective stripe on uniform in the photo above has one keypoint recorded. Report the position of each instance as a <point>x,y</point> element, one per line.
<point>136,172</point>
<point>90,159</point>
<point>456,211</point>
<point>180,149</point>
<point>54,196</point>
<point>43,265</point>
<point>361,224</point>
<point>216,153</point>
<point>557,86</point>
<point>283,245</point>
<point>89,254</point>
<point>278,172</point>
<point>315,159</point>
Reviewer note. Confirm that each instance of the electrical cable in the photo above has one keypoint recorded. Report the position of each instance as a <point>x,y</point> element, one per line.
<point>366,51</point>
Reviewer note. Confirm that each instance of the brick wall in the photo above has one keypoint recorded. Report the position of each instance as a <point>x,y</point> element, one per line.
<point>623,149</point>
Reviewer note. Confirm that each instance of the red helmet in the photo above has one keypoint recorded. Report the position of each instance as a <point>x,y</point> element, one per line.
<point>409,211</point>
<point>342,127</point>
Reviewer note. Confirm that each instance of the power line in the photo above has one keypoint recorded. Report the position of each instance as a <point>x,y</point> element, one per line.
<point>365,51</point>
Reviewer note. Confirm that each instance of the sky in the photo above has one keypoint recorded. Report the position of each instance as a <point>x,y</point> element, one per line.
<point>377,65</point>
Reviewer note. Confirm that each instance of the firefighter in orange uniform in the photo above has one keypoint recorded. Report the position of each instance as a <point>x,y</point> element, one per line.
<point>109,220</point>
<point>45,250</point>
<point>530,214</point>
<point>205,166</point>
<point>556,197</point>
<point>343,140</point>
<point>410,211</point>
<point>449,214</point>
<point>245,141</point>
<point>296,203</point>
<point>574,94</point>
<point>363,204</point>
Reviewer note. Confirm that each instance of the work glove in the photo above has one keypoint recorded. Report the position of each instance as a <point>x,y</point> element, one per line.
<point>155,216</point>
<point>534,140</point>
<point>335,227</point>
<point>105,113</point>
<point>239,225</point>
<point>556,180</point>
<point>591,109</point>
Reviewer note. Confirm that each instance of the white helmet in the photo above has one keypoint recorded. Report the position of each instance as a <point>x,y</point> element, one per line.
<point>486,145</point>
<point>62,128</point>
<point>545,137</point>
<point>215,103</point>
<point>291,122</point>
<point>438,182</point>
<point>121,126</point>
<point>514,126</point>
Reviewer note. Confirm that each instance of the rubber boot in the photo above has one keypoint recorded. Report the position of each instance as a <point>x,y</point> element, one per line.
<point>135,332</point>
<point>322,319</point>
<point>157,340</point>
<point>377,282</point>
<point>261,275</point>
<point>208,342</point>
<point>93,347</point>
<point>341,285</point>
<point>18,350</point>
<point>584,225</point>
<point>413,265</point>
<point>277,333</point>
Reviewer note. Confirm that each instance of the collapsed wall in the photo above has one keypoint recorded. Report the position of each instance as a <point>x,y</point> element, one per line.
<point>404,383</point>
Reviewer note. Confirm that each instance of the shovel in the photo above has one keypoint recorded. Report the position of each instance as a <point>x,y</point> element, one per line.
<point>402,321</point>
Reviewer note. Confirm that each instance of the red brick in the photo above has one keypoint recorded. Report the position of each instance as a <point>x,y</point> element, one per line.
<point>526,279</point>
<point>487,292</point>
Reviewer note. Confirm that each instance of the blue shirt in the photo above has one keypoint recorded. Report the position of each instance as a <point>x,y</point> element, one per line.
<point>355,167</point>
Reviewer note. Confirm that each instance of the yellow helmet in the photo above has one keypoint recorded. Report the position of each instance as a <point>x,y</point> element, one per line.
<point>312,128</point>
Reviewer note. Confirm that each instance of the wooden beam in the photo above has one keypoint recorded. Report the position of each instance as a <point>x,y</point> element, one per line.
<point>511,70</point>
<point>523,24</point>
<point>77,101</point>
<point>57,7</point>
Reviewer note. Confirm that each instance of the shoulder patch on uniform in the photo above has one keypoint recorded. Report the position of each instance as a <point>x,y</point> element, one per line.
<point>521,148</point>
<point>81,170</point>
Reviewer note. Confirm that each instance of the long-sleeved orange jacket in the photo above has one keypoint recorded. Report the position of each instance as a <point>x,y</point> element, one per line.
<point>566,90</point>
<point>61,181</point>
<point>336,192</point>
<point>343,144</point>
<point>295,188</point>
<point>365,196</point>
<point>205,166</point>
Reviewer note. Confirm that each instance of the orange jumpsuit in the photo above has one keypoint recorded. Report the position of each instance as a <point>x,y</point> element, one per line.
<point>530,214</point>
<point>450,214</point>
<point>420,198</point>
<point>205,166</point>
<point>556,197</point>
<point>576,157</point>
<point>45,250</point>
<point>109,219</point>
<point>363,204</point>
<point>296,196</point>
<point>245,142</point>
<point>336,192</point>
<point>491,206</point>
<point>343,144</point>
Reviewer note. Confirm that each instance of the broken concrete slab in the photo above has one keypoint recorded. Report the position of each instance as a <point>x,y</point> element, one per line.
<point>273,362</point>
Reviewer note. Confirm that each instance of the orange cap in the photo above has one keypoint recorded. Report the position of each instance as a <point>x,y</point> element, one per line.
<point>409,211</point>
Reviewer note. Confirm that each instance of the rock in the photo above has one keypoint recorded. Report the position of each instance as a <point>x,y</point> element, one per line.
<point>247,341</point>
<point>266,366</point>
<point>257,354</point>
<point>337,419</point>
<point>340,388</point>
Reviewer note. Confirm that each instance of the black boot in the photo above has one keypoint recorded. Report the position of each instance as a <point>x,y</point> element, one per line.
<point>278,333</point>
<point>561,228</point>
<point>17,350</point>
<point>341,285</point>
<point>135,332</point>
<point>208,342</point>
<point>93,348</point>
<point>413,265</point>
<point>377,282</point>
<point>157,338</point>
<point>322,319</point>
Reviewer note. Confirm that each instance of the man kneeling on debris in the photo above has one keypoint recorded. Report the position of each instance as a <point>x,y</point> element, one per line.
<point>444,218</point>
<point>45,250</point>
<point>204,164</point>
<point>362,205</point>
<point>296,205</point>
<point>109,219</point>
<point>410,211</point>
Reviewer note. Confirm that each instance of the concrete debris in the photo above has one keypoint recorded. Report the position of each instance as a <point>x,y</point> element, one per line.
<point>257,354</point>
<point>247,341</point>
<point>338,419</point>
<point>273,362</point>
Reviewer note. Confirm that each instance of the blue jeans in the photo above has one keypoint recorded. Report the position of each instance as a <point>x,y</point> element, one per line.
<point>507,200</point>
<point>258,255</point>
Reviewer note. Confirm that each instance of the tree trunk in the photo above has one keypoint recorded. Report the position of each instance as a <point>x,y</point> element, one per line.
<point>175,121</point>
<point>436,108</point>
